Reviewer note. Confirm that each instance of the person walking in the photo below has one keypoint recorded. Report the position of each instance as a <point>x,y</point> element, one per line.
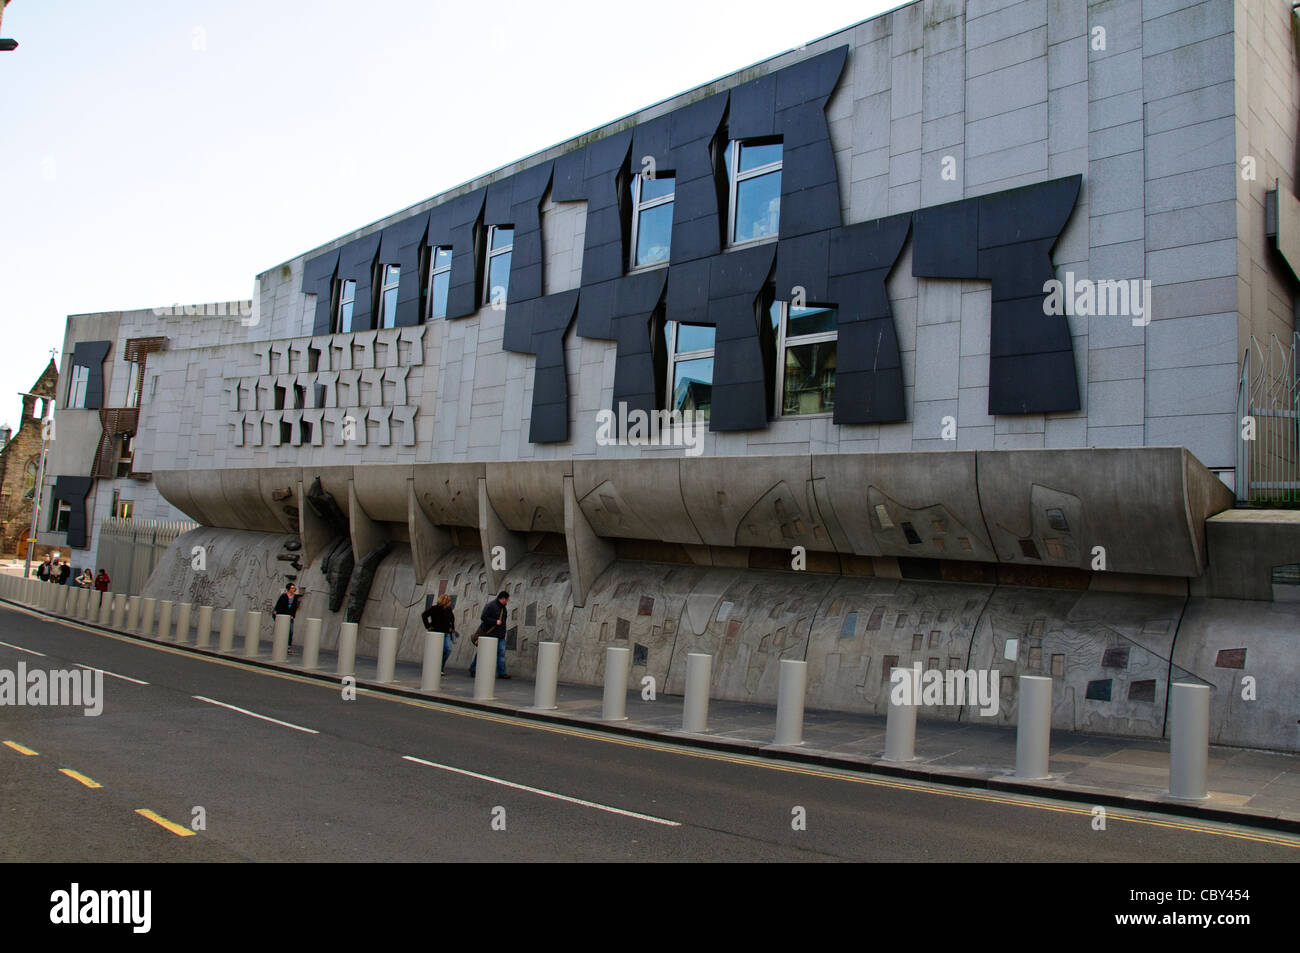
<point>439,618</point>
<point>65,572</point>
<point>102,582</point>
<point>492,624</point>
<point>43,570</point>
<point>287,604</point>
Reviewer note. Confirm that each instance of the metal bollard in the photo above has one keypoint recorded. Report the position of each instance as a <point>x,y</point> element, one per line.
<point>107,606</point>
<point>280,638</point>
<point>183,611</point>
<point>695,707</point>
<point>226,634</point>
<point>1189,740</point>
<point>614,705</point>
<point>387,661</point>
<point>347,649</point>
<point>165,620</point>
<point>132,613</point>
<point>431,670</point>
<point>252,633</point>
<point>83,600</point>
<point>548,671</point>
<point>1034,728</point>
<point>147,609</point>
<point>92,605</point>
<point>900,722</point>
<point>485,671</point>
<point>311,645</point>
<point>789,702</point>
<point>203,627</point>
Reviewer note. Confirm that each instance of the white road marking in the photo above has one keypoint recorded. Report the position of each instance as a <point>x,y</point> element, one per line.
<point>125,678</point>
<point>550,794</point>
<point>21,649</point>
<point>253,714</point>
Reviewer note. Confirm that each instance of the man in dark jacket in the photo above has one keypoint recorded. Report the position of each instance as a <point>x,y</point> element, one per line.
<point>43,570</point>
<point>493,626</point>
<point>287,604</point>
<point>65,572</point>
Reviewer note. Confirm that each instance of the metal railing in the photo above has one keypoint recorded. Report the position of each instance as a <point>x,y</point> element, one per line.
<point>1268,411</point>
<point>129,549</point>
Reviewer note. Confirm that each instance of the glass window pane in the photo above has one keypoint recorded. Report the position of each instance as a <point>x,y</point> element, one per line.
<point>751,157</point>
<point>349,290</point>
<point>694,337</point>
<point>656,188</point>
<point>392,274</point>
<point>809,379</point>
<point>810,321</point>
<point>345,317</point>
<point>502,237</point>
<point>758,207</point>
<point>774,312</point>
<point>441,258</point>
<point>693,386</point>
<point>498,277</point>
<point>653,234</point>
<point>441,282</point>
<point>388,318</point>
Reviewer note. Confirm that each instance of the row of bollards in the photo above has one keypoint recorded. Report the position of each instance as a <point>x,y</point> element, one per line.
<point>1189,704</point>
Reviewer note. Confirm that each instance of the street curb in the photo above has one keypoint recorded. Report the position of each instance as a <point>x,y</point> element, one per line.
<point>1004,784</point>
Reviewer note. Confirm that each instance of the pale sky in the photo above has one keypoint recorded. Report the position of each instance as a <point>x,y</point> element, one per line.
<point>155,153</point>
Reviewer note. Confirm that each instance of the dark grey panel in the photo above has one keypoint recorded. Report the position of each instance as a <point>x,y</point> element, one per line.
<point>517,201</point>
<point>1007,238</point>
<point>318,279</point>
<point>592,174</point>
<point>73,491</point>
<point>452,224</point>
<point>537,326</point>
<point>357,263</point>
<point>401,244</point>
<point>621,311</point>
<point>90,355</point>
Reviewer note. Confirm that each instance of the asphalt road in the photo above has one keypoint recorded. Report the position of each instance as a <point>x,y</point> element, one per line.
<point>386,779</point>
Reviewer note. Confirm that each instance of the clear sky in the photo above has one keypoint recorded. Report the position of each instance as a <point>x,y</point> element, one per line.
<point>154,153</point>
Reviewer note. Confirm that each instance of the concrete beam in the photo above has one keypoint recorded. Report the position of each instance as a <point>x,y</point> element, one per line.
<point>494,533</point>
<point>429,542</point>
<point>366,533</point>
<point>314,532</point>
<point>589,555</point>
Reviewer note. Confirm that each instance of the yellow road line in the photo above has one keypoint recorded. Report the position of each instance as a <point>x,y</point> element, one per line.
<point>21,749</point>
<point>1010,800</point>
<point>163,822</point>
<point>78,776</point>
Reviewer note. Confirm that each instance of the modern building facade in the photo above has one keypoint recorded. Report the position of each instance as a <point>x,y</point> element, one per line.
<point>920,344</point>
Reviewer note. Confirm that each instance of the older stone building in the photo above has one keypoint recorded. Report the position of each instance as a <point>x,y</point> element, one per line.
<point>20,463</point>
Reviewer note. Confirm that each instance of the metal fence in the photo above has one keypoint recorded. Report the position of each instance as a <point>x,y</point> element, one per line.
<point>130,549</point>
<point>1268,410</point>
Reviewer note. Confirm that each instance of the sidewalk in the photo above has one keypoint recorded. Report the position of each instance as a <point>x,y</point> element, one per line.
<point>1246,786</point>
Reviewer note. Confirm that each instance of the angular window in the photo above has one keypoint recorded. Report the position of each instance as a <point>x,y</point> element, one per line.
<point>133,384</point>
<point>125,454</point>
<point>390,277</point>
<point>60,516</point>
<point>690,367</point>
<point>754,180</point>
<point>439,281</point>
<point>500,244</point>
<point>652,219</point>
<point>345,295</point>
<point>77,386</point>
<point>805,367</point>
